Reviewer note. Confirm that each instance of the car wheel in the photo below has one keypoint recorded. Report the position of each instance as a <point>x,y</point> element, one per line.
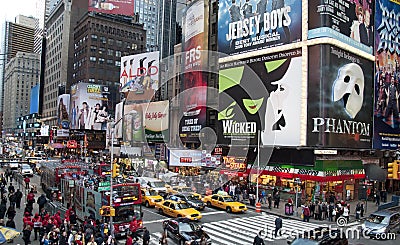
<point>147,204</point>
<point>209,204</point>
<point>229,210</point>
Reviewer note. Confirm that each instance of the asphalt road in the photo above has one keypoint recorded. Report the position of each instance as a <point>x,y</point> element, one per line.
<point>224,228</point>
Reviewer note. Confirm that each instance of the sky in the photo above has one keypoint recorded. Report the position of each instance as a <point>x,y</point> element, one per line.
<point>10,9</point>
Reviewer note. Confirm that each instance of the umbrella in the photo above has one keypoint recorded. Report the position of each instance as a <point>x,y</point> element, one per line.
<point>7,234</point>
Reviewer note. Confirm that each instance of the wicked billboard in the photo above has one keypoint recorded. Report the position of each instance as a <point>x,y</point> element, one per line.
<point>261,93</point>
<point>350,21</point>
<point>248,25</point>
<point>339,98</point>
<point>387,89</point>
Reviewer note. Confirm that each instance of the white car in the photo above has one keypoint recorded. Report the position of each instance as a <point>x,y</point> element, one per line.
<point>26,170</point>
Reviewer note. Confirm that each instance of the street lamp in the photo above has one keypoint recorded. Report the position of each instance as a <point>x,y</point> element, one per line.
<point>111,165</point>
<point>297,182</point>
<point>258,163</point>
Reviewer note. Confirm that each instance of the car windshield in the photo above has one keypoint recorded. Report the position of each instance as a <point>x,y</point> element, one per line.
<point>188,227</point>
<point>376,219</point>
<point>151,193</point>
<point>158,184</point>
<point>193,197</point>
<point>182,205</point>
<point>25,166</point>
<point>228,199</point>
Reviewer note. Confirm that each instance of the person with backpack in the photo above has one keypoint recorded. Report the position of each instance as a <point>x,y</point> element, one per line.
<point>306,213</point>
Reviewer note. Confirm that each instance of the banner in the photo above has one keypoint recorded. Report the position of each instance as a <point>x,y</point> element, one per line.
<point>349,21</point>
<point>249,25</point>
<point>339,98</point>
<point>122,7</point>
<point>139,77</point>
<point>63,111</point>
<point>184,158</point>
<point>194,86</point>
<point>261,93</point>
<point>89,106</point>
<point>387,90</point>
<point>119,111</point>
<point>34,102</point>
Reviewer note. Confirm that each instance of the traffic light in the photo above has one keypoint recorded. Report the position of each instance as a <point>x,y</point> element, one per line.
<point>115,170</point>
<point>107,211</point>
<point>393,170</point>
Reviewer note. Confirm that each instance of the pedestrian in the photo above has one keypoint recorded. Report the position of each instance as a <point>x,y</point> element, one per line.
<point>377,199</point>
<point>346,212</point>
<point>269,201</point>
<point>3,209</point>
<point>11,198</point>
<point>11,223</point>
<point>277,199</point>
<point>41,201</point>
<point>146,236</point>
<point>278,225</point>
<point>362,210</point>
<point>258,240</point>
<point>11,188</point>
<point>18,197</point>
<point>306,213</point>
<point>11,212</point>
<point>163,239</point>
<point>27,180</point>
<point>37,224</point>
<point>26,234</point>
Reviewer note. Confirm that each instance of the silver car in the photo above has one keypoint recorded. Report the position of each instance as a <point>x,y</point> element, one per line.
<point>26,170</point>
<point>382,222</point>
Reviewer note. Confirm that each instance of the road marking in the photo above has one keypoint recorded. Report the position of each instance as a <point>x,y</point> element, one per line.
<point>154,221</point>
<point>154,213</point>
<point>211,213</point>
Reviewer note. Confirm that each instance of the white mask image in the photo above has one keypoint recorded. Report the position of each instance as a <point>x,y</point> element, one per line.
<point>349,86</point>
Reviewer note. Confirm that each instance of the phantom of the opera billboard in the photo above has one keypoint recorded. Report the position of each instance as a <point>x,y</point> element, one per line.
<point>339,98</point>
<point>261,93</point>
<point>122,7</point>
<point>350,21</point>
<point>387,89</point>
<point>249,25</point>
<point>139,76</point>
<point>194,86</point>
<point>89,106</point>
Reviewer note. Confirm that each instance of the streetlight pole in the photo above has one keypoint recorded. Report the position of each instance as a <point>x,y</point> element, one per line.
<point>258,164</point>
<point>111,179</point>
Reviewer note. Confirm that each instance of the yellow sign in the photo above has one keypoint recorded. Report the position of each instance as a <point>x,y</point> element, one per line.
<point>395,1</point>
<point>94,89</point>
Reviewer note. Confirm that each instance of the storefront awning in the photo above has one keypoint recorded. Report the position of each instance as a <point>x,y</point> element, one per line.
<point>375,173</point>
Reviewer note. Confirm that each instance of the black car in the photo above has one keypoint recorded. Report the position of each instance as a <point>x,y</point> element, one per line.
<point>183,230</point>
<point>192,200</point>
<point>320,235</point>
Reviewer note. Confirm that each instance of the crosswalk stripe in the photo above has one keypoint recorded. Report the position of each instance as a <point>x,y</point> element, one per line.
<point>216,234</point>
<point>242,235</point>
<point>249,229</point>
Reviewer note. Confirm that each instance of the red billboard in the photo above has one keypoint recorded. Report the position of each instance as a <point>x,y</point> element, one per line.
<point>122,7</point>
<point>194,86</point>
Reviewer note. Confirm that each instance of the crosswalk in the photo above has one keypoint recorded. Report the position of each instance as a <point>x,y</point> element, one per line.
<point>241,231</point>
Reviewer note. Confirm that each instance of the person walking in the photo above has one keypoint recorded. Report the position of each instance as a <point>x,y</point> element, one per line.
<point>163,239</point>
<point>306,213</point>
<point>27,180</point>
<point>277,199</point>
<point>26,234</point>
<point>258,240</point>
<point>146,236</point>
<point>18,197</point>
<point>269,201</point>
<point>11,223</point>
<point>278,225</point>
<point>42,201</point>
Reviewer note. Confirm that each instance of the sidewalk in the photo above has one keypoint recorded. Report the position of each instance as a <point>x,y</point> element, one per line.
<point>369,207</point>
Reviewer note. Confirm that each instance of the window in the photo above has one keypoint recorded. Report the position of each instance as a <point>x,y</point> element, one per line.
<point>110,62</point>
<point>111,41</point>
<point>118,43</point>
<point>117,63</point>
<point>93,48</point>
<point>103,40</point>
<point>102,50</point>
<point>94,37</point>
<point>101,60</point>
<point>110,52</point>
<point>118,53</point>
<point>92,58</point>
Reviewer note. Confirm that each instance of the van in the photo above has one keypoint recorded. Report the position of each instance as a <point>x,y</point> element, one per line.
<point>153,183</point>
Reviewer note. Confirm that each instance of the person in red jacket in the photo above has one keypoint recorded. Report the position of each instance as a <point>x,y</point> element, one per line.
<point>26,219</point>
<point>27,180</point>
<point>37,224</point>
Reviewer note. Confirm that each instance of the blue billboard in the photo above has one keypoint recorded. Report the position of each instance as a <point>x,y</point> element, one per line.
<point>34,106</point>
<point>250,25</point>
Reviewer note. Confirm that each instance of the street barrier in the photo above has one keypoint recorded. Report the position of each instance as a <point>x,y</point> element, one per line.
<point>258,207</point>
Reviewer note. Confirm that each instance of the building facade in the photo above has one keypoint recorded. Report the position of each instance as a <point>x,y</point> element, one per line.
<point>100,40</point>
<point>21,74</point>
<point>59,51</point>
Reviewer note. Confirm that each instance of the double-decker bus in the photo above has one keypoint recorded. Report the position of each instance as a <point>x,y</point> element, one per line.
<point>52,172</point>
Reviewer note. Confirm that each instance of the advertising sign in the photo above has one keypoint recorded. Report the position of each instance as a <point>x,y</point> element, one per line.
<point>156,121</point>
<point>34,105</point>
<point>122,7</point>
<point>63,111</point>
<point>339,98</point>
<point>133,130</point>
<point>184,158</point>
<point>139,76</point>
<point>249,25</point>
<point>194,86</point>
<point>350,21</point>
<point>261,93</point>
<point>119,111</point>
<point>89,103</point>
<point>387,76</point>
<point>234,163</point>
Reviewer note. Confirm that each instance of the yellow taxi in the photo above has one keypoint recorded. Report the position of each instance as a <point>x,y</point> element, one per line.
<point>178,209</point>
<point>150,197</point>
<point>178,189</point>
<point>225,202</point>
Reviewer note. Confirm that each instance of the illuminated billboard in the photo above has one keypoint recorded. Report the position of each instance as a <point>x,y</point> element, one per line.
<point>250,25</point>
<point>34,105</point>
<point>139,76</point>
<point>89,106</point>
<point>122,7</point>
<point>63,111</point>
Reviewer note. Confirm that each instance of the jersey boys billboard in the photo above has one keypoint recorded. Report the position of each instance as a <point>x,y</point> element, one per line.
<point>339,98</point>
<point>248,25</point>
<point>387,89</point>
<point>261,93</point>
<point>349,21</point>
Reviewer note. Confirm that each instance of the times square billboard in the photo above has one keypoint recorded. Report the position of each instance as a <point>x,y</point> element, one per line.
<point>122,7</point>
<point>250,25</point>
<point>387,89</point>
